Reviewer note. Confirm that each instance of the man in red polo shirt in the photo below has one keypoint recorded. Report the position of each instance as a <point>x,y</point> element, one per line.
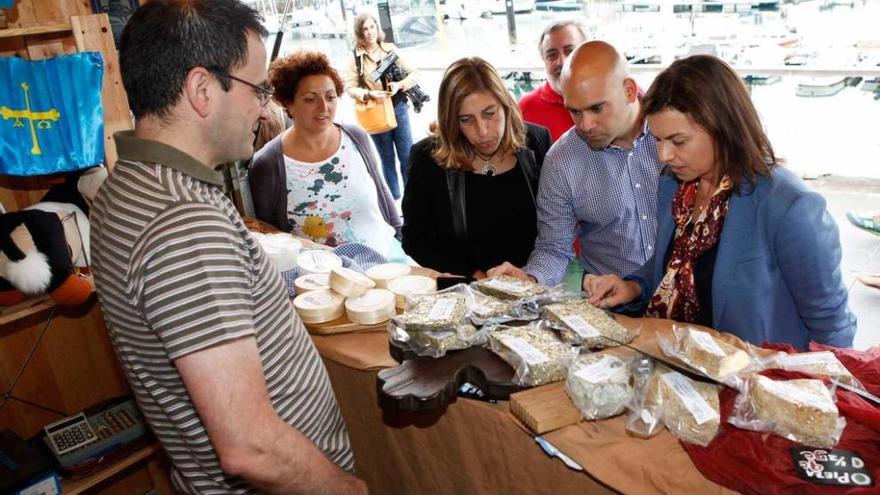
<point>544,105</point>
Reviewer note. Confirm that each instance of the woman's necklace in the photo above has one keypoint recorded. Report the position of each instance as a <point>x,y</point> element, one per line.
<point>488,168</point>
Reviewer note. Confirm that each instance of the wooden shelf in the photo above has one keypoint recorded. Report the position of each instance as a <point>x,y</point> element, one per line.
<point>69,487</point>
<point>34,305</point>
<point>60,27</point>
<point>10,314</point>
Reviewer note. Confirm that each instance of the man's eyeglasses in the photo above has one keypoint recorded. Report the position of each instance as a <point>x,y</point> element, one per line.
<point>263,94</point>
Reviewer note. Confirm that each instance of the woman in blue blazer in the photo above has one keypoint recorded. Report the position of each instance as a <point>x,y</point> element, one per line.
<point>743,245</point>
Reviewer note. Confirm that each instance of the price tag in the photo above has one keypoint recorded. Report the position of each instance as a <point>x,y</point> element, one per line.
<point>598,372</point>
<point>799,361</point>
<point>526,351</point>
<point>794,393</point>
<point>580,326</point>
<point>442,309</point>
<point>706,342</point>
<point>692,400</point>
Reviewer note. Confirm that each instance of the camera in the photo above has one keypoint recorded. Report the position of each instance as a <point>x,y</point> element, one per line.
<point>389,71</point>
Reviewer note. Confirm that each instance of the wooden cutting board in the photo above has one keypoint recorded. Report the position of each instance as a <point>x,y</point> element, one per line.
<point>341,325</point>
<point>544,409</point>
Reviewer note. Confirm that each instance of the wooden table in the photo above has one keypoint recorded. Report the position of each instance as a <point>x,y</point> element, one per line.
<point>477,447</point>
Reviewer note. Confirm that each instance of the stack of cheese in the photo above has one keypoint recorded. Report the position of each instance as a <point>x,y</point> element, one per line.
<point>326,290</point>
<point>282,249</point>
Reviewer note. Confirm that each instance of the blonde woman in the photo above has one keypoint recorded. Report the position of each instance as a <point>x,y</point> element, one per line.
<point>470,201</point>
<point>369,51</point>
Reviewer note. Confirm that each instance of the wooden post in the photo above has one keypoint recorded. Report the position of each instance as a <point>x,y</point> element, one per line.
<point>92,33</point>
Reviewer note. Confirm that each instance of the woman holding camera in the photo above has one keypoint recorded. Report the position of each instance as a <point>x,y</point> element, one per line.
<point>368,55</point>
<point>470,202</point>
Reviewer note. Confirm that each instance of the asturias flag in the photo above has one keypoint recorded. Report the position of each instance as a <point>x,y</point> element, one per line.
<point>51,118</point>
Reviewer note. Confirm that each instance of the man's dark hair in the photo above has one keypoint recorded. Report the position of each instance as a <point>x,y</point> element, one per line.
<point>166,38</point>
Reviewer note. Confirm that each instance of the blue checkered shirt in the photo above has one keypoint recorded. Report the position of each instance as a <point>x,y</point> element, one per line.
<point>609,197</point>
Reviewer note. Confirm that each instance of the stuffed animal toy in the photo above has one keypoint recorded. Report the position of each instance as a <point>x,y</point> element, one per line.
<point>44,248</point>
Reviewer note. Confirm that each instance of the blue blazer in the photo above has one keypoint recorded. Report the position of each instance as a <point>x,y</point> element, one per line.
<point>777,273</point>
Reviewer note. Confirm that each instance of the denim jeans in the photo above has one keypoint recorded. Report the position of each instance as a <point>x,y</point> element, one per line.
<point>399,138</point>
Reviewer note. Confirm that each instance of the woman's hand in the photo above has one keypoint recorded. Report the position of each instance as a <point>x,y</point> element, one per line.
<point>507,268</point>
<point>377,94</point>
<point>394,87</point>
<point>479,275</point>
<point>608,291</point>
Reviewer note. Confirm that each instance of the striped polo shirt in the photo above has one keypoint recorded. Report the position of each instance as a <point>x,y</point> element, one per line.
<point>177,272</point>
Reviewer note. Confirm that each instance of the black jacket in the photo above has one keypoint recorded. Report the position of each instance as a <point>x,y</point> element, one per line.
<point>502,224</point>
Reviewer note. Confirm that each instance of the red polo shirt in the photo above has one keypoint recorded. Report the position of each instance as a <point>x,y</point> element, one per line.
<point>545,107</point>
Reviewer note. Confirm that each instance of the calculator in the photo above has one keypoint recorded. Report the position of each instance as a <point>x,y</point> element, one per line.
<point>70,433</point>
<point>94,433</point>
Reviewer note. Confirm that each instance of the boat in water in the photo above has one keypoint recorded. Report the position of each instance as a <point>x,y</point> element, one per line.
<point>821,86</point>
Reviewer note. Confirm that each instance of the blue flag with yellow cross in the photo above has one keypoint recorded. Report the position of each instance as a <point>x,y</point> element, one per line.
<point>51,117</point>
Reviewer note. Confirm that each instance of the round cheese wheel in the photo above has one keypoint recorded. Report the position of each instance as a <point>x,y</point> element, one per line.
<point>372,307</point>
<point>319,306</point>
<point>411,285</point>
<point>282,249</point>
<point>315,281</point>
<point>317,261</point>
<point>349,283</point>
<point>382,274</point>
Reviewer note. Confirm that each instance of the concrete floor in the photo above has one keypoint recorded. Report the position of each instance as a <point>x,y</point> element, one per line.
<point>861,250</point>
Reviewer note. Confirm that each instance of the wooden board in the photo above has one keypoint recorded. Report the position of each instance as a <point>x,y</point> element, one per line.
<point>92,33</point>
<point>544,409</point>
<point>341,325</point>
<point>428,385</point>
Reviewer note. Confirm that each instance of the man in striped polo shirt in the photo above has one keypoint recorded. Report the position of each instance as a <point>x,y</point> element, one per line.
<point>599,179</point>
<point>220,365</point>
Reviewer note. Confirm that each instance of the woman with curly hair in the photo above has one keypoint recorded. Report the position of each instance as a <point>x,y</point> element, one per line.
<point>319,179</point>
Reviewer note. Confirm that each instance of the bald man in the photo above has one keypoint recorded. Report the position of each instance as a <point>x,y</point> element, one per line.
<point>599,182</point>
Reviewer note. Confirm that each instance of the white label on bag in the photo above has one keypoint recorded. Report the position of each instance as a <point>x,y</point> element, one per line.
<point>580,326</point>
<point>796,361</point>
<point>598,372</point>
<point>442,309</point>
<point>526,351</point>
<point>505,286</point>
<point>794,393</point>
<point>692,400</point>
<point>707,343</point>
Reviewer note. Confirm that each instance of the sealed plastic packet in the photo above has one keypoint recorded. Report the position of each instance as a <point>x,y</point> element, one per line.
<point>579,322</point>
<point>703,352</point>
<point>600,385</point>
<point>644,417</point>
<point>509,288</point>
<point>689,409</point>
<point>821,364</point>
<point>489,309</point>
<point>536,355</point>
<point>433,324</point>
<point>801,410</point>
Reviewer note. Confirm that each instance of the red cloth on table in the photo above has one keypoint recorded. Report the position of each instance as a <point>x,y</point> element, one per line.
<point>761,463</point>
